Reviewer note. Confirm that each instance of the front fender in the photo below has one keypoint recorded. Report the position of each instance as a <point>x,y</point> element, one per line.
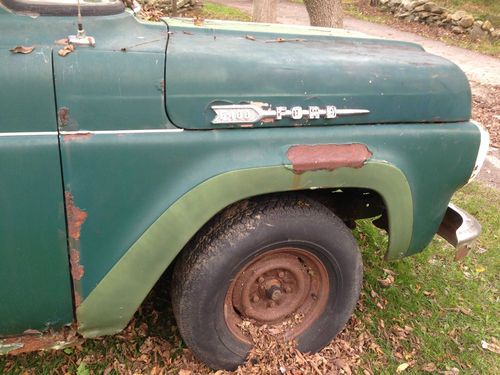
<point>110,306</point>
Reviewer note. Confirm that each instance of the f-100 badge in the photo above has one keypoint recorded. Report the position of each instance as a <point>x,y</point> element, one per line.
<point>255,112</point>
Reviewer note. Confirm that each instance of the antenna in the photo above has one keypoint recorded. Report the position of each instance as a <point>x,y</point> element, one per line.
<point>80,38</point>
<point>79,21</point>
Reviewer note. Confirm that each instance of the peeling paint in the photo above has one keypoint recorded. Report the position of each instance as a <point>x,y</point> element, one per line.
<point>41,341</point>
<point>75,218</point>
<point>77,137</point>
<point>63,116</point>
<point>328,156</point>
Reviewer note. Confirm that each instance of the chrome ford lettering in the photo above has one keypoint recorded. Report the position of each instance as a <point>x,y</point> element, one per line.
<point>255,112</point>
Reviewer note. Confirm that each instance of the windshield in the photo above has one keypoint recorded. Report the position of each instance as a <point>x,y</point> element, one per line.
<point>65,7</point>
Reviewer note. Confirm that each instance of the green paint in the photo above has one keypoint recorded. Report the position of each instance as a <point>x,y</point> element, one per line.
<point>126,183</point>
<point>33,71</point>
<point>115,299</point>
<point>34,276</point>
<point>397,82</point>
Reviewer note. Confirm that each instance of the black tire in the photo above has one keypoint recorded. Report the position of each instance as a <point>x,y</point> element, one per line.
<point>231,241</point>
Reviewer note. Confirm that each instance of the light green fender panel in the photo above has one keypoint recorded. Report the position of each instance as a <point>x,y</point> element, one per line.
<point>111,305</point>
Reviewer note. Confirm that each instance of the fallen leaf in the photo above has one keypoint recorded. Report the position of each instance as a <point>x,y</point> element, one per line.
<point>389,272</point>
<point>67,49</point>
<point>481,250</point>
<point>22,49</point>
<point>492,347</point>
<point>459,309</point>
<point>388,281</point>
<point>32,332</point>
<point>429,293</point>
<point>198,21</point>
<point>402,367</point>
<point>452,371</point>
<point>429,367</point>
<point>480,269</point>
<point>185,372</point>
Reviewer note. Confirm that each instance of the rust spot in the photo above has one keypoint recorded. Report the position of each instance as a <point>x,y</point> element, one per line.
<point>327,157</point>
<point>77,137</point>
<point>63,116</point>
<point>461,252</point>
<point>162,87</point>
<point>78,298</point>
<point>75,217</point>
<point>41,341</point>
<point>76,268</point>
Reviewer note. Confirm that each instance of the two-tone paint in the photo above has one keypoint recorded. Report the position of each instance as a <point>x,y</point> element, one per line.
<point>104,179</point>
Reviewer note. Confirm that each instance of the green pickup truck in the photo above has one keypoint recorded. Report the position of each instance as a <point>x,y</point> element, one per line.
<point>239,154</point>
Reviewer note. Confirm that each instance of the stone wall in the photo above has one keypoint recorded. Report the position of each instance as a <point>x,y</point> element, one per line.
<point>427,12</point>
<point>166,5</point>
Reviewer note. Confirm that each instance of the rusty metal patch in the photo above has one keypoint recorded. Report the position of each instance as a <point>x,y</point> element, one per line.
<point>63,116</point>
<point>80,136</point>
<point>39,341</point>
<point>75,218</point>
<point>76,268</point>
<point>327,157</point>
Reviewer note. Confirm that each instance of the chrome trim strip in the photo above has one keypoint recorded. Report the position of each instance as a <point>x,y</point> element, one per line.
<point>26,134</point>
<point>458,227</point>
<point>134,131</point>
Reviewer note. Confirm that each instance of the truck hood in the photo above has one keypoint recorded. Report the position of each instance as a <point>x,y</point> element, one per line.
<point>229,74</point>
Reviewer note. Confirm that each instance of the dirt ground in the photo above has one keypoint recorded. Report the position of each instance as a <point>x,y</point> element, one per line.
<point>483,71</point>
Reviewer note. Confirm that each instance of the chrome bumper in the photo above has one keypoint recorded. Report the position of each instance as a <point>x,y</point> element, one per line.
<point>459,229</point>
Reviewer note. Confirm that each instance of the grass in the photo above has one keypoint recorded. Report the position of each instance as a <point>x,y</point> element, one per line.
<point>222,12</point>
<point>449,306</point>
<point>436,312</point>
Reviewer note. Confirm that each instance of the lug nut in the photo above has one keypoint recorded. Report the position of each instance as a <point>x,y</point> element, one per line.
<point>255,298</point>
<point>261,279</point>
<point>288,289</point>
<point>281,274</point>
<point>271,304</point>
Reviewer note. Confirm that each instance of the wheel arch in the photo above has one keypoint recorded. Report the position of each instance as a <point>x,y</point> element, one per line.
<point>111,305</point>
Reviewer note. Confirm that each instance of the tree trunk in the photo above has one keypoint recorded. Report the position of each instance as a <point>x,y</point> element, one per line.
<point>174,8</point>
<point>326,13</point>
<point>264,10</point>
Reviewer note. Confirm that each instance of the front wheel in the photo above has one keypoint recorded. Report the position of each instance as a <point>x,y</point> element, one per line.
<point>266,260</point>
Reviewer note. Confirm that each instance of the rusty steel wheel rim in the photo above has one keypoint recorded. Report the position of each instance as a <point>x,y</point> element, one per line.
<point>276,286</point>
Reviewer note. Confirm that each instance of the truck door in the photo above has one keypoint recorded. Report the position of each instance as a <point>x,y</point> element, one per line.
<point>35,289</point>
